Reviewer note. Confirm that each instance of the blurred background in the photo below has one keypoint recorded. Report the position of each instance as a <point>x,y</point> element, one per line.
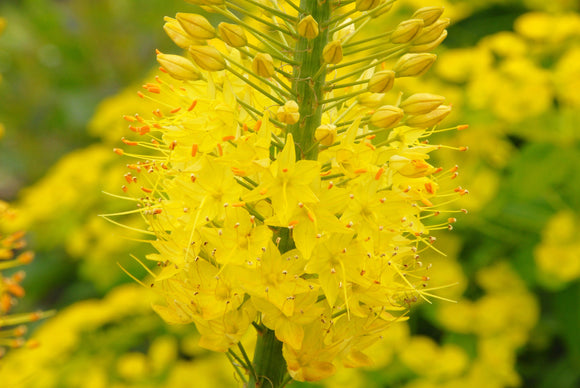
<point>511,68</point>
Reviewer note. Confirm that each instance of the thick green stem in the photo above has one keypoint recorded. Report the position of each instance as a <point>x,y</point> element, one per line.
<point>269,363</point>
<point>309,77</point>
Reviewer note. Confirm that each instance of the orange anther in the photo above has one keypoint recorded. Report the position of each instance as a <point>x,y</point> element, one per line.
<point>193,104</point>
<point>245,127</point>
<point>172,145</point>
<point>464,148</point>
<point>194,149</point>
<point>175,110</point>
<point>429,187</point>
<point>379,173</point>
<point>284,170</point>
<point>238,204</point>
<point>129,142</point>
<point>452,220</point>
<point>263,191</point>
<point>15,289</point>
<point>162,69</point>
<point>292,223</point>
<point>157,52</point>
<point>372,147</point>
<point>118,151</point>
<point>454,168</point>
<point>141,95</point>
<point>145,189</point>
<point>370,137</point>
<point>360,171</point>
<point>124,188</point>
<point>193,178</point>
<point>426,202</point>
<point>143,130</point>
<point>330,185</point>
<point>228,138</point>
<point>26,257</point>
<point>462,127</point>
<point>157,125</point>
<point>220,149</point>
<point>5,303</point>
<point>155,142</point>
<point>157,211</point>
<point>158,113</point>
<point>258,125</point>
<point>128,177</point>
<point>139,118</point>
<point>310,216</point>
<point>325,173</point>
<point>129,118</point>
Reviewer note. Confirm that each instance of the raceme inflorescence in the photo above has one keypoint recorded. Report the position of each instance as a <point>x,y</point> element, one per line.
<point>283,186</point>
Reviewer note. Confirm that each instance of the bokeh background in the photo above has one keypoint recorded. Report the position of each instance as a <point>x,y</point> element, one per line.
<point>511,68</point>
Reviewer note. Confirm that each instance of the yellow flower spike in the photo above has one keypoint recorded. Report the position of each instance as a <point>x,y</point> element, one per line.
<point>428,14</point>
<point>421,48</point>
<point>178,35</point>
<point>196,25</point>
<point>263,65</point>
<point>387,116</point>
<point>407,30</point>
<point>288,113</point>
<point>332,52</point>
<point>232,34</point>
<point>307,27</point>
<point>381,82</point>
<point>367,5</point>
<point>432,32</point>
<point>179,67</point>
<point>414,65</point>
<point>207,57</point>
<point>421,103</point>
<point>325,134</point>
<point>430,119</point>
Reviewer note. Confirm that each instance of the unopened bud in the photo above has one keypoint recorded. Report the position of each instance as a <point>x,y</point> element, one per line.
<point>381,82</point>
<point>263,65</point>
<point>387,116</point>
<point>413,65</point>
<point>207,57</point>
<point>332,52</point>
<point>179,67</point>
<point>325,134</point>
<point>177,34</point>
<point>407,30</point>
<point>422,48</point>
<point>288,113</point>
<point>232,34</point>
<point>430,119</point>
<point>366,5</point>
<point>382,10</point>
<point>432,32</point>
<point>421,103</point>
<point>428,14</point>
<point>308,27</point>
<point>196,25</point>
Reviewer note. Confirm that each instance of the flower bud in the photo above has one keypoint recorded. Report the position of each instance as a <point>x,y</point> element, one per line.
<point>232,34</point>
<point>413,65</point>
<point>430,119</point>
<point>387,116</point>
<point>367,5</point>
<point>179,67</point>
<point>422,48</point>
<point>332,52</point>
<point>177,34</point>
<point>428,14</point>
<point>288,113</point>
<point>325,134</point>
<point>407,30</point>
<point>421,103</point>
<point>381,82</point>
<point>196,25</point>
<point>263,65</point>
<point>432,32</point>
<point>207,57</point>
<point>308,27</point>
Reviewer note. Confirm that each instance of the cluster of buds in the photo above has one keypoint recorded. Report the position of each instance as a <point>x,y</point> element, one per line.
<point>280,191</point>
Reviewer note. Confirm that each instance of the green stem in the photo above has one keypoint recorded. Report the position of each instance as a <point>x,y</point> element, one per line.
<point>269,363</point>
<point>309,77</point>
